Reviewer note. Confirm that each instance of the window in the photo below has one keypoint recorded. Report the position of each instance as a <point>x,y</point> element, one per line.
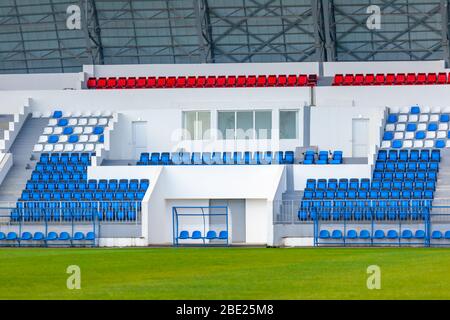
<point>196,124</point>
<point>245,124</point>
<point>288,124</point>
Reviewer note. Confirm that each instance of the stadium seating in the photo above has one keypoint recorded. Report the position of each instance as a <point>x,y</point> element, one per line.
<point>59,191</point>
<point>323,157</point>
<point>221,81</point>
<point>73,133</point>
<point>216,158</point>
<point>377,236</point>
<point>388,79</point>
<point>50,238</point>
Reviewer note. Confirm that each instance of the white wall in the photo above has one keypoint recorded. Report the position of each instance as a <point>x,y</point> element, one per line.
<point>256,223</point>
<point>43,81</point>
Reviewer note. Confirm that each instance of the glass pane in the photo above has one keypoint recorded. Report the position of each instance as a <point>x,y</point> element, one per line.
<point>244,125</point>
<point>226,123</point>
<point>263,124</point>
<point>203,125</point>
<point>288,124</point>
<point>189,125</point>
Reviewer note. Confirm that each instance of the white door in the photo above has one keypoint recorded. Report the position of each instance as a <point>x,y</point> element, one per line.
<point>139,135</point>
<point>360,138</point>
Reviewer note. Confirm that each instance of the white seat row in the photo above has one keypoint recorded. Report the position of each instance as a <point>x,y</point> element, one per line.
<point>81,122</point>
<point>403,118</point>
<point>420,126</point>
<point>76,130</point>
<point>64,138</point>
<point>75,114</point>
<point>67,147</point>
<point>414,144</point>
<point>399,135</point>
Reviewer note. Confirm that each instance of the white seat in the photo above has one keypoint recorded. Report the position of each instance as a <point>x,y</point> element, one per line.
<point>407,144</point>
<point>58,130</point>
<point>76,114</point>
<point>92,121</point>
<point>52,122</point>
<point>58,147</point>
<point>93,138</point>
<point>400,127</point>
<point>434,117</point>
<point>48,130</point>
<point>386,144</point>
<point>73,121</point>
<point>389,127</point>
<point>103,122</point>
<point>431,135</point>
<point>424,118</point>
<point>63,138</point>
<point>88,130</point>
<point>48,148</point>
<point>86,113</point>
<point>78,147</point>
<point>418,144</point>
<point>413,118</point>
<point>441,134</point>
<point>38,148</point>
<point>78,130</point>
<point>83,138</point>
<point>421,127</point>
<point>403,118</point>
<point>429,143</point>
<point>89,147</point>
<point>67,114</point>
<point>409,135</point>
<point>399,135</point>
<point>42,139</point>
<point>68,147</point>
<point>82,121</point>
<point>97,113</point>
<point>106,113</point>
<point>443,126</point>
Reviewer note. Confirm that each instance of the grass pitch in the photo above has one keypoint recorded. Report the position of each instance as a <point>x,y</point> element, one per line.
<point>225,273</point>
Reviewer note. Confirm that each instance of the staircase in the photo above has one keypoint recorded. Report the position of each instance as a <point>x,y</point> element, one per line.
<point>442,194</point>
<point>23,165</point>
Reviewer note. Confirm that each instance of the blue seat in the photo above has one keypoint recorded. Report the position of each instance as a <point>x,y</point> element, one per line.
<point>12,236</point>
<point>436,235</point>
<point>352,234</point>
<point>435,155</point>
<point>415,110</point>
<point>440,144</point>
<point>68,131</point>
<point>336,234</point>
<point>210,235</point>
<point>447,235</point>
<point>444,118</point>
<point>73,139</point>
<point>289,157</point>
<point>411,127</point>
<point>420,135</point>
<point>57,114</point>
<point>392,234</point>
<point>364,234</point>
<point>26,236</point>
<point>52,236</point>
<point>379,234</point>
<point>184,235</point>
<point>53,139</point>
<point>2,236</point>
<point>98,130</point>
<point>223,235</point>
<point>90,236</point>
<point>433,126</point>
<point>78,236</point>
<point>324,234</point>
<point>420,234</point>
<point>38,236</point>
<point>407,234</point>
<point>392,118</point>
<point>62,122</point>
<point>64,236</point>
<point>397,144</point>
<point>196,235</point>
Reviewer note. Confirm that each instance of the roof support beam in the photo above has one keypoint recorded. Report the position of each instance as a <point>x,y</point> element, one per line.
<point>204,33</point>
<point>91,29</point>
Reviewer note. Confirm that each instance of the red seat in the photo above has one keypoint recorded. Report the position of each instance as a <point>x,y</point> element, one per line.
<point>261,81</point>
<point>201,81</point>
<point>390,79</point>
<point>210,82</point>
<point>241,80</point>
<point>380,79</point>
<point>369,79</point>
<point>251,81</point>
<point>231,81</point>
<point>91,83</point>
<point>191,82</point>
<point>121,82</point>
<point>101,83</point>
<point>359,79</point>
<point>442,78</point>
<point>292,80</point>
<point>221,81</point>
<point>348,79</point>
<point>282,80</point>
<point>181,82</point>
<point>161,82</point>
<point>338,80</point>
<point>312,80</point>
<point>111,83</point>
<point>411,78</point>
<point>151,82</point>
<point>272,80</point>
<point>303,80</point>
<point>141,82</point>
<point>400,78</point>
<point>131,83</point>
<point>170,82</point>
<point>431,78</point>
<point>421,78</point>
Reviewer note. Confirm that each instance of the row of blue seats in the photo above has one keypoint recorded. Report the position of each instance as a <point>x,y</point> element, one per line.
<point>27,215</point>
<point>381,234</point>
<point>209,158</point>
<point>56,177</point>
<point>92,185</point>
<point>74,138</point>
<point>371,194</point>
<point>361,215</point>
<point>197,235</point>
<point>60,167</point>
<point>65,158</point>
<point>84,205</point>
<point>413,155</point>
<point>48,195</point>
<point>323,157</point>
<point>405,176</point>
<point>365,185</point>
<point>381,166</point>
<point>51,236</point>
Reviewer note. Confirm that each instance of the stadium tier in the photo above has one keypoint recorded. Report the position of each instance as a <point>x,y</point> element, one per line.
<point>389,79</point>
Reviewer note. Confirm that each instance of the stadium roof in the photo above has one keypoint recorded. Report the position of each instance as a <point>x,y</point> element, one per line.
<point>34,36</point>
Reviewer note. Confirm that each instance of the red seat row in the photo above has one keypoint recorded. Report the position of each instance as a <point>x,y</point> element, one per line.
<point>381,79</point>
<point>302,80</point>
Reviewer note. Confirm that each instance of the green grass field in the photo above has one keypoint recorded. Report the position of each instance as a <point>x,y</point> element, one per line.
<point>225,273</point>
